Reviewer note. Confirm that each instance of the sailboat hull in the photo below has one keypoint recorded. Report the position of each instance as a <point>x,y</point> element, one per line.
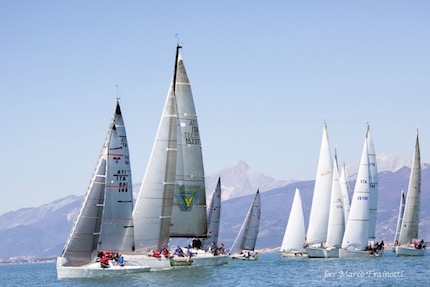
<point>332,253</point>
<point>199,258</point>
<point>153,262</point>
<point>315,252</point>
<point>409,251</point>
<point>294,254</point>
<point>357,254</point>
<point>94,269</point>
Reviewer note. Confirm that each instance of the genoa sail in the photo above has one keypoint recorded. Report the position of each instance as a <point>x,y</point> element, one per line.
<point>152,213</point>
<point>400,217</point>
<point>336,223</point>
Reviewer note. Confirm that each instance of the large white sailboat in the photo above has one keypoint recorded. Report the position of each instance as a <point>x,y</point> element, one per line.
<point>410,222</point>
<point>294,236</point>
<point>318,219</point>
<point>172,199</point>
<point>104,222</point>
<point>355,239</point>
<point>336,222</point>
<point>244,244</point>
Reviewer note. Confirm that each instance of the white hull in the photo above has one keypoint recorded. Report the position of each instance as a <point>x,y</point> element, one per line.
<point>409,251</point>
<point>332,253</point>
<point>200,258</point>
<point>357,254</point>
<point>153,263</point>
<point>94,269</point>
<point>293,254</point>
<point>316,252</point>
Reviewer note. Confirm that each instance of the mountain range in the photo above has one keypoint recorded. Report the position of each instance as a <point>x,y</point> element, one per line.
<point>41,232</point>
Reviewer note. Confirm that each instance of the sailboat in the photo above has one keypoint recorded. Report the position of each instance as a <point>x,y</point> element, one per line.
<point>104,222</point>
<point>294,236</point>
<point>410,222</point>
<point>214,215</point>
<point>318,219</point>
<point>344,186</point>
<point>336,222</point>
<point>399,219</point>
<point>355,239</point>
<point>244,244</point>
<point>172,200</point>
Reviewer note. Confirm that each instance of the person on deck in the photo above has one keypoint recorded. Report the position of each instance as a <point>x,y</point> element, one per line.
<point>197,244</point>
<point>179,252</point>
<point>104,262</point>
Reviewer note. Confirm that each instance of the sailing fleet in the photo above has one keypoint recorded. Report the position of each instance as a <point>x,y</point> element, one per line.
<point>112,236</point>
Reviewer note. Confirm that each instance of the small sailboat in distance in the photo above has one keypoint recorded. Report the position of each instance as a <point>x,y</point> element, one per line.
<point>294,236</point>
<point>214,216</point>
<point>410,221</point>
<point>244,244</point>
<point>104,222</point>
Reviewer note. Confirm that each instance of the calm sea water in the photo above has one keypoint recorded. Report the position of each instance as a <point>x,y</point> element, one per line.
<point>270,270</point>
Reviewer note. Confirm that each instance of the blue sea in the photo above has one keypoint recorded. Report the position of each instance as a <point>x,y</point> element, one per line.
<point>270,270</point>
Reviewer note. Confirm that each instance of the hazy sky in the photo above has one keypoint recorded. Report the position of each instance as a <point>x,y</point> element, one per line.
<point>265,75</point>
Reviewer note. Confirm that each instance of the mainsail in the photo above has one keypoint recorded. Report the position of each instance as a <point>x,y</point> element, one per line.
<point>294,236</point>
<point>357,228</point>
<point>373,185</point>
<point>247,236</point>
<point>411,218</point>
<point>189,216</point>
<point>214,214</point>
<point>318,219</point>
<point>336,223</point>
<point>104,221</point>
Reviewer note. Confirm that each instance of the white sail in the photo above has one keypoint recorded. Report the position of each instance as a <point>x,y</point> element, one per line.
<point>357,228</point>
<point>214,214</point>
<point>294,236</point>
<point>90,229</point>
<point>189,216</point>
<point>247,236</point>
<point>336,222</point>
<point>373,185</point>
<point>344,185</point>
<point>152,213</point>
<point>409,229</point>
<point>400,217</point>
<point>318,219</point>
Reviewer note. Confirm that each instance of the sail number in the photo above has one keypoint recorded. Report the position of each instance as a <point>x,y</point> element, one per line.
<point>193,137</point>
<point>121,176</point>
<point>362,198</point>
<point>324,173</point>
